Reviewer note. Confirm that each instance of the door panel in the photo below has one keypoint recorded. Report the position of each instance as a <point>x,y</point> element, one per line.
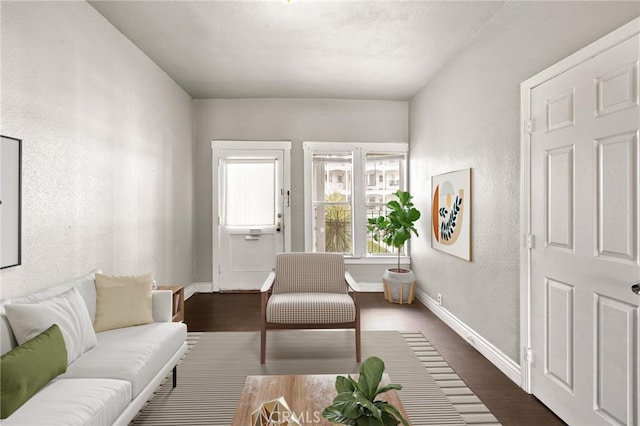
<point>559,361</point>
<point>560,197</point>
<point>616,340</point>
<point>585,206</point>
<point>251,253</point>
<point>617,196</point>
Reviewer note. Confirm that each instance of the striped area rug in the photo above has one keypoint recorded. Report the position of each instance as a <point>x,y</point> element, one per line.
<point>472,410</point>
<point>212,374</point>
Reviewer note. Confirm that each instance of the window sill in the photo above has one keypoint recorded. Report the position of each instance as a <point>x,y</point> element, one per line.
<point>391,260</point>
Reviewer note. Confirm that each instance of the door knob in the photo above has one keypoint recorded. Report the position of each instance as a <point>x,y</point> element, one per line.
<point>636,288</point>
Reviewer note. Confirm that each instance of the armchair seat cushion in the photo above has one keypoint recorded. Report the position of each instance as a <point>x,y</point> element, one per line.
<point>310,308</point>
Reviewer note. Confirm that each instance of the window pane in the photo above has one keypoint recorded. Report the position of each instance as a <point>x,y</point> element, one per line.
<point>331,194</point>
<point>385,175</point>
<point>250,193</point>
<point>332,228</point>
<point>332,177</point>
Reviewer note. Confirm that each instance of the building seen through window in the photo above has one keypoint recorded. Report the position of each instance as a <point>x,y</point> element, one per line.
<point>338,202</point>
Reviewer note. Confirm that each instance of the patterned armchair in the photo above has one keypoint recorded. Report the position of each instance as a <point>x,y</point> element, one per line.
<point>309,290</point>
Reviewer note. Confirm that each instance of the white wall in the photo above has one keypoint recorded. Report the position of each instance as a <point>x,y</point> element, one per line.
<point>297,120</point>
<point>469,116</point>
<point>107,150</point>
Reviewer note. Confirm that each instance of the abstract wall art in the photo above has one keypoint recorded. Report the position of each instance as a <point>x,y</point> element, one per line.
<point>451,213</point>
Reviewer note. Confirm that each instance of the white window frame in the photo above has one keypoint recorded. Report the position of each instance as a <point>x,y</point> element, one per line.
<point>359,151</point>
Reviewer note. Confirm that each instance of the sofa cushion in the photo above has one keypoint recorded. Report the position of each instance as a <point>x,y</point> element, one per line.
<point>85,286</point>
<point>123,301</point>
<point>69,402</point>
<point>135,354</point>
<point>68,310</point>
<point>29,367</point>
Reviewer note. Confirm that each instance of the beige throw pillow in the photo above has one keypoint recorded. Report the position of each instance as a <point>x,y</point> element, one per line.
<point>123,301</point>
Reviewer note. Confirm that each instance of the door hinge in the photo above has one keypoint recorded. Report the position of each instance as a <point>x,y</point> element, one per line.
<point>528,356</point>
<point>219,269</point>
<point>528,126</point>
<point>530,241</point>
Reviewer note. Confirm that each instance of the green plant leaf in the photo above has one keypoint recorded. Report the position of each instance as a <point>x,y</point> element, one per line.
<point>394,205</point>
<point>370,375</point>
<point>334,415</point>
<point>345,405</point>
<point>342,398</point>
<point>387,408</point>
<point>387,388</point>
<point>366,403</point>
<point>369,421</point>
<point>389,419</point>
<point>403,196</point>
<point>352,409</point>
<point>343,384</point>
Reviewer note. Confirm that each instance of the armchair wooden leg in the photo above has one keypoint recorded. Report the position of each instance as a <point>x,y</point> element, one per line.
<point>263,329</point>
<point>358,349</point>
<point>263,345</point>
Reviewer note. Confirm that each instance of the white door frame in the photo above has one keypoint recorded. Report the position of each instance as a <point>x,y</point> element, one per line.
<point>614,38</point>
<point>216,146</point>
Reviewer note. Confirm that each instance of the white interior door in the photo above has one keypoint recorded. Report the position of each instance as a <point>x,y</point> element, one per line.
<point>584,220</point>
<point>252,202</point>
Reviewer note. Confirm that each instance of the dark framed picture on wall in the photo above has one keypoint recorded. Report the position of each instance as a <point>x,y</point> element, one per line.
<point>451,213</point>
<point>10,201</point>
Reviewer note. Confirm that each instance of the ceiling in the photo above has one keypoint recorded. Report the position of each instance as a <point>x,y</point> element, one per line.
<point>337,49</point>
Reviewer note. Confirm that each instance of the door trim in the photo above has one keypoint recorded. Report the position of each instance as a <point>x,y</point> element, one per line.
<point>610,40</point>
<point>216,146</point>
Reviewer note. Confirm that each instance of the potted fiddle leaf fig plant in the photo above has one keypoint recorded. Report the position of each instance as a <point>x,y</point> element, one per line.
<point>394,229</point>
<point>356,403</point>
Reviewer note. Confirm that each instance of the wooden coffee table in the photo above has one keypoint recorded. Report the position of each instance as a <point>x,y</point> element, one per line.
<point>307,396</point>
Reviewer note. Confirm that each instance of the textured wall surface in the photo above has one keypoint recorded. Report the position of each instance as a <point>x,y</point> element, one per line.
<point>469,116</point>
<point>107,150</point>
<point>295,120</point>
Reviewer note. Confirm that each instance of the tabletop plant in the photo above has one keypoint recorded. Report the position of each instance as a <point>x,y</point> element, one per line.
<point>395,227</point>
<point>356,404</point>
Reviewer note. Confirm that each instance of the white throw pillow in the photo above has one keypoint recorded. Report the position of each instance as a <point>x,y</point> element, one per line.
<point>67,310</point>
<point>123,301</point>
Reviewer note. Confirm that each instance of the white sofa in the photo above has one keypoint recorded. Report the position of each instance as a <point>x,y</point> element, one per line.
<point>111,382</point>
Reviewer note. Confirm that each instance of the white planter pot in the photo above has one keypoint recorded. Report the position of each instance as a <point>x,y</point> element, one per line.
<point>399,287</point>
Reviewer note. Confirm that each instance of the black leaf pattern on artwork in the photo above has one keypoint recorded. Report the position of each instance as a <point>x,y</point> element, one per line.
<point>448,227</point>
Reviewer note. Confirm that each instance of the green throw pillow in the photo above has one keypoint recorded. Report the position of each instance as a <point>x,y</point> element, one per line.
<point>29,367</point>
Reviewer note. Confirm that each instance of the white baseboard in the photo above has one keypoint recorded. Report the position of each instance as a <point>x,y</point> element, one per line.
<point>208,288</point>
<point>498,358</point>
<point>189,290</point>
<point>370,287</point>
<point>202,287</point>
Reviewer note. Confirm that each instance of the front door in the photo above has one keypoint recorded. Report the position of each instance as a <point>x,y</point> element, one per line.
<point>584,221</point>
<point>253,199</point>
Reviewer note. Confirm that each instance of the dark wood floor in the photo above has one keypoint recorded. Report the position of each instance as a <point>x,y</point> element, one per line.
<point>511,405</point>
